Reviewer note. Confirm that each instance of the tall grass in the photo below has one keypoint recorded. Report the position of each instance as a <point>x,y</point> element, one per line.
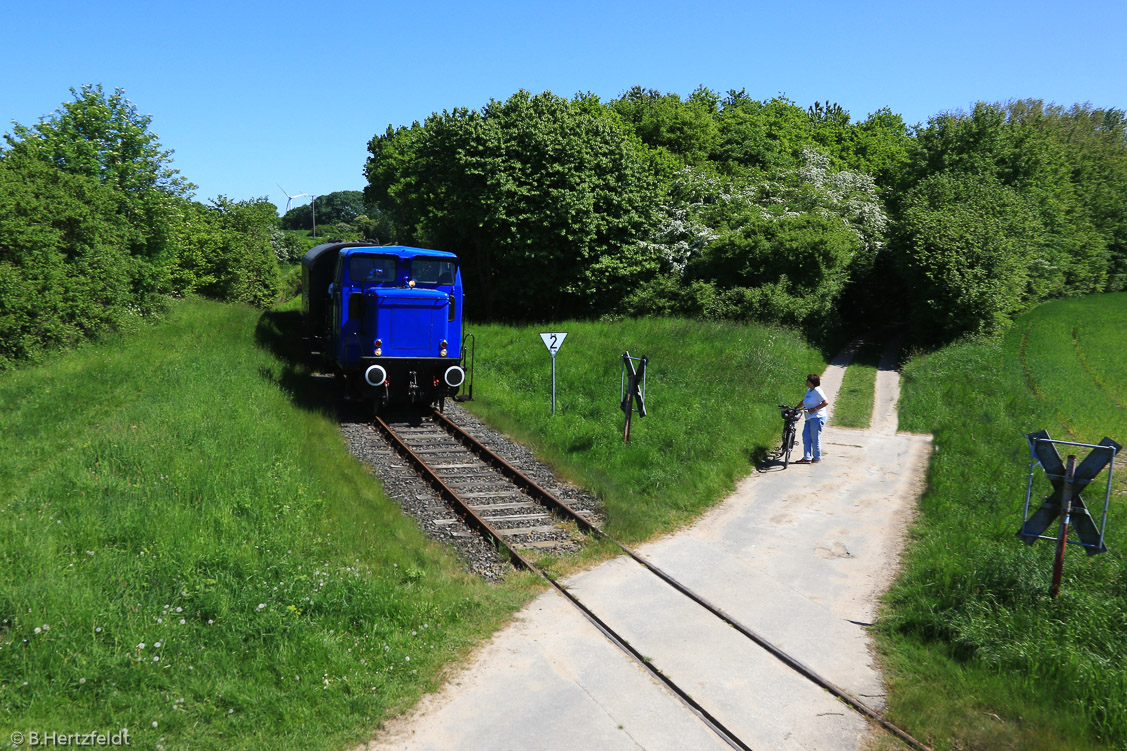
<point>711,396</point>
<point>970,615</point>
<point>190,552</point>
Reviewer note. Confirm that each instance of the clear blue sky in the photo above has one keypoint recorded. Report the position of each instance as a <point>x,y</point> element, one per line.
<point>250,94</point>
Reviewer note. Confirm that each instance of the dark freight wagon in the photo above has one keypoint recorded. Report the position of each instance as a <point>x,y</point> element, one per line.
<point>388,318</point>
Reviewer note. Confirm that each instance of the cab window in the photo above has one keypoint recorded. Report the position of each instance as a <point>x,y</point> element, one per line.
<point>365,267</point>
<point>433,270</point>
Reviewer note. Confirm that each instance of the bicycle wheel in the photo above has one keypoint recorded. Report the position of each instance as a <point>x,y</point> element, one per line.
<point>788,443</point>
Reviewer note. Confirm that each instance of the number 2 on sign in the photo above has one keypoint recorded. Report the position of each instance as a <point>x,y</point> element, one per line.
<point>553,341</point>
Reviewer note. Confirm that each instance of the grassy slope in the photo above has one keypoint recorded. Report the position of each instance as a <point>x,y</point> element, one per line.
<point>969,619</point>
<point>712,391</point>
<point>192,555</point>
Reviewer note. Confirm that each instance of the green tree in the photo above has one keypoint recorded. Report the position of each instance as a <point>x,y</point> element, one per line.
<point>65,266</point>
<point>1040,156</point>
<point>227,251</point>
<point>538,195</point>
<point>1096,150</point>
<point>687,129</point>
<point>104,137</point>
<point>761,135</point>
<point>966,242</point>
<point>781,248</point>
<point>340,207</point>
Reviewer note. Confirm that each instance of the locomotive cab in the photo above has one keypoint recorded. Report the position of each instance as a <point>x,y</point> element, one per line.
<point>390,319</point>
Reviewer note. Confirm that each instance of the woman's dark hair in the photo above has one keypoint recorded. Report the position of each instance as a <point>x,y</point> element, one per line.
<point>814,379</point>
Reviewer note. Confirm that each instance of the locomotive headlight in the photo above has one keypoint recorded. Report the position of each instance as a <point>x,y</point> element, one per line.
<point>378,352</point>
<point>411,283</point>
<point>442,353</point>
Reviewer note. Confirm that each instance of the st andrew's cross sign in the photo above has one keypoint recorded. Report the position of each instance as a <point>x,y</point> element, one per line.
<point>1044,451</point>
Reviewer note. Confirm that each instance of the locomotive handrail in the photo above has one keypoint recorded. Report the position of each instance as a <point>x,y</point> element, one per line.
<point>438,296</point>
<point>467,395</point>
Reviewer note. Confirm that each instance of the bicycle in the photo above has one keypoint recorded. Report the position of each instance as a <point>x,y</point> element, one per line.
<point>790,431</point>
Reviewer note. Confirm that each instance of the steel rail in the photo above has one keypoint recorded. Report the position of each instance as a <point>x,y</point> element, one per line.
<point>546,497</point>
<point>475,520</point>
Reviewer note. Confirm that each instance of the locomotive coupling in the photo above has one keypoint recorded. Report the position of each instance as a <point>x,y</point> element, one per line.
<point>375,375</point>
<point>454,376</point>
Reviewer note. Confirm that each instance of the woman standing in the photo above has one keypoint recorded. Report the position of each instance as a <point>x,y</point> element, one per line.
<point>815,405</point>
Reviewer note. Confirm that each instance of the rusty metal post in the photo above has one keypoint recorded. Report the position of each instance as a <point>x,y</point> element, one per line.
<point>1065,512</point>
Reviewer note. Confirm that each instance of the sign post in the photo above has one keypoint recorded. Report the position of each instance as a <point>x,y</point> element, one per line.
<point>633,389</point>
<point>553,342</point>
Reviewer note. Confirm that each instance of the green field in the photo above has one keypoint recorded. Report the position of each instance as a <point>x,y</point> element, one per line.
<point>711,396</point>
<point>189,543</point>
<point>191,553</point>
<point>970,619</point>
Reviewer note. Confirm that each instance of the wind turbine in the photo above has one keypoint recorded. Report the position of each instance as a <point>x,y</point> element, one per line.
<point>290,201</point>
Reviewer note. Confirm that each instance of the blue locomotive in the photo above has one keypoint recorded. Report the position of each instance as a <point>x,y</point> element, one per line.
<point>388,318</point>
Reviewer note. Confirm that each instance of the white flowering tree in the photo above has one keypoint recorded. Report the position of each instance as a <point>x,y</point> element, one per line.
<point>781,247</point>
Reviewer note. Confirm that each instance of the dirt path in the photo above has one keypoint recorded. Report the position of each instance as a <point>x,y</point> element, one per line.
<point>800,556</point>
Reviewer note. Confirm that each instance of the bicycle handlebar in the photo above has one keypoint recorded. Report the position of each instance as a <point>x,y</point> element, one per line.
<point>789,412</point>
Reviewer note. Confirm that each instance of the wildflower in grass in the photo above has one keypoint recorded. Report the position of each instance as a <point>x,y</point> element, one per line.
<point>157,645</point>
<point>182,621</point>
<point>37,629</point>
<point>98,630</point>
<point>141,645</point>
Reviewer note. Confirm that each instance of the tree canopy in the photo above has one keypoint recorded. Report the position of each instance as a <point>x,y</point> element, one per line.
<point>724,205</point>
<point>543,198</point>
<point>340,207</point>
<point>96,225</point>
<point>716,205</point>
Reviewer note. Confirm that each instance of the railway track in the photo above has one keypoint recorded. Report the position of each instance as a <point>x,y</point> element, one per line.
<point>510,509</point>
<point>489,494</point>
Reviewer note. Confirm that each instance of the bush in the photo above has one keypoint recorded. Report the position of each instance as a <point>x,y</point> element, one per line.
<point>225,251</point>
<point>967,243</point>
<point>65,268</point>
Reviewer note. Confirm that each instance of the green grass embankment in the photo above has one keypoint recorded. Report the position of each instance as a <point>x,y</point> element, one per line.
<point>979,655</point>
<point>711,396</point>
<point>191,553</point>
